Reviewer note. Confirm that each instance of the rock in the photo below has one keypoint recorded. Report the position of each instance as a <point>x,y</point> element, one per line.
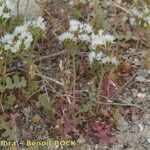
<point>141,127</point>
<point>124,126</point>
<point>143,73</point>
<point>137,62</point>
<point>27,10</point>
<point>141,95</point>
<point>134,92</point>
<point>148,140</point>
<point>97,147</point>
<point>81,140</point>
<point>140,79</point>
<point>128,100</point>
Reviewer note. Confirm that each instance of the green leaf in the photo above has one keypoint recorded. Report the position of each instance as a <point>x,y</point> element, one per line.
<point>6,126</point>
<point>32,87</point>
<point>8,83</point>
<point>1,88</point>
<point>16,81</point>
<point>23,82</point>
<point>87,107</point>
<point>9,102</point>
<point>19,82</point>
<point>45,102</point>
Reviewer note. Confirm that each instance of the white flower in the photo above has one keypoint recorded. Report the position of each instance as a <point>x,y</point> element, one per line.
<point>106,59</point>
<point>87,28</point>
<point>8,38</point>
<point>96,40</point>
<point>6,15</point>
<point>114,61</point>
<point>101,39</point>
<point>99,56</point>
<point>20,29</point>
<point>66,36</point>
<point>74,25</point>
<point>81,27</point>
<point>20,37</point>
<point>92,56</point>
<point>39,23</point>
<point>28,41</point>
<point>109,38</point>
<point>84,37</point>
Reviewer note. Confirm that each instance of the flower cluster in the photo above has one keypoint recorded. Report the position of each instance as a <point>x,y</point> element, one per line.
<point>102,58</point>
<point>143,15</point>
<point>83,32</point>
<point>77,31</point>
<point>5,9</point>
<point>39,23</point>
<point>22,37</point>
<point>101,39</point>
<point>81,27</point>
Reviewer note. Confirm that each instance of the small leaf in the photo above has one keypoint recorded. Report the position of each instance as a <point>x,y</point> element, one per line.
<point>45,102</point>
<point>8,83</point>
<point>8,103</point>
<point>16,81</point>
<point>23,82</point>
<point>87,107</point>
<point>32,87</point>
<point>1,88</point>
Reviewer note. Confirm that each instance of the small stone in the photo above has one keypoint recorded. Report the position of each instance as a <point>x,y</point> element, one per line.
<point>141,95</point>
<point>134,92</point>
<point>141,127</point>
<point>81,140</point>
<point>140,79</point>
<point>143,72</point>
<point>128,100</point>
<point>124,19</point>
<point>137,62</point>
<point>97,147</point>
<point>148,97</point>
<point>148,140</point>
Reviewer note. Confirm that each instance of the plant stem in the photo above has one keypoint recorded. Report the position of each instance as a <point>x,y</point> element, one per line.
<point>101,77</point>
<point>3,81</point>
<point>74,74</point>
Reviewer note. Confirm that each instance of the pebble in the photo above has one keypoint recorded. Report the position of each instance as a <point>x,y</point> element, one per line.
<point>137,62</point>
<point>141,95</point>
<point>141,127</point>
<point>134,92</point>
<point>140,79</point>
<point>97,147</point>
<point>148,140</point>
<point>81,140</point>
<point>143,72</point>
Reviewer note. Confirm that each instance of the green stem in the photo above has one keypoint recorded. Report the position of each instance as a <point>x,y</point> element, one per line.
<point>100,78</point>
<point>74,73</point>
